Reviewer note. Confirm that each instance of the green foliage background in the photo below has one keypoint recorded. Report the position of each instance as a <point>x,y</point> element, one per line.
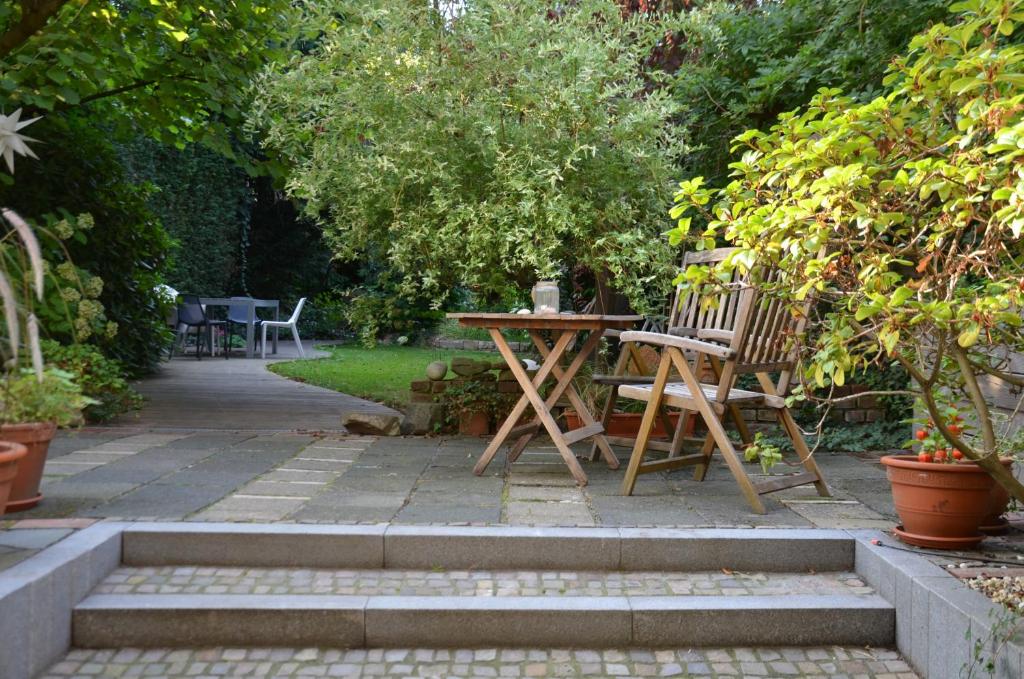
<point>741,66</point>
<point>204,202</point>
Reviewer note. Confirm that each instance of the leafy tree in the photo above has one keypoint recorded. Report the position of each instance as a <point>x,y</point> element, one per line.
<point>508,143</point>
<point>178,69</point>
<point>917,199</point>
<point>738,67</point>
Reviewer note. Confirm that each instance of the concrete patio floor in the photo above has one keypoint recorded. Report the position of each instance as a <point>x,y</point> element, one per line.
<point>338,478</point>
<point>226,440</point>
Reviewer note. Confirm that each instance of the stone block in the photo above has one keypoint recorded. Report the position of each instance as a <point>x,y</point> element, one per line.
<point>508,387</point>
<point>467,622</point>
<point>781,551</point>
<point>439,386</point>
<point>501,547</point>
<point>419,386</point>
<point>795,620</point>
<point>195,621</point>
<point>372,424</point>
<point>415,397</point>
<point>254,545</point>
<point>422,418</point>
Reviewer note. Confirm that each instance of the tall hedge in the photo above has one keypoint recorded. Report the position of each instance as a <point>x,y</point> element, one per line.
<point>204,201</point>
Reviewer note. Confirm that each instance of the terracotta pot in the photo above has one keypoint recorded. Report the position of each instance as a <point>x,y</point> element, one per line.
<point>36,437</point>
<point>626,425</point>
<point>994,523</point>
<point>941,505</point>
<point>474,423</point>
<point>10,456</point>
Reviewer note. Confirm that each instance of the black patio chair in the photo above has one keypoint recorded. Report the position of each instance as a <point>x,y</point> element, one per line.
<point>192,315</point>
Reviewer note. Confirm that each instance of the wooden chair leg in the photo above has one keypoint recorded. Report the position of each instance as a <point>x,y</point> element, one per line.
<point>647,424</point>
<point>715,429</point>
<point>804,453</point>
<point>606,418</point>
<point>701,470</point>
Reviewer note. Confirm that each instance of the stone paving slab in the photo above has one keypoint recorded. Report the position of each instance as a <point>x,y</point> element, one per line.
<point>366,582</point>
<point>253,476</point>
<point>833,663</point>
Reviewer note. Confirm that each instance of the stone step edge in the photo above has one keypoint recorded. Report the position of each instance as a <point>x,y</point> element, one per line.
<point>495,548</point>
<point>192,621</point>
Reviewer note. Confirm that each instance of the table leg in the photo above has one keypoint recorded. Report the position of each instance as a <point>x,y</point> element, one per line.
<point>277,317</point>
<point>538,403</point>
<point>566,377</point>
<point>524,401</point>
<point>250,330</point>
<point>565,340</point>
<point>564,383</point>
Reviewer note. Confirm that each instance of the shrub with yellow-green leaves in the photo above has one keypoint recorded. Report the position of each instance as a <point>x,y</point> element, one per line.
<point>902,216</point>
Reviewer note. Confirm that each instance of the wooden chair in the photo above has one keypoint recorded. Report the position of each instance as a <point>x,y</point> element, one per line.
<point>686,317</point>
<point>747,334</point>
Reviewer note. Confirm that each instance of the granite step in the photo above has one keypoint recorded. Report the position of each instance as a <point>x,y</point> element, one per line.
<point>203,606</point>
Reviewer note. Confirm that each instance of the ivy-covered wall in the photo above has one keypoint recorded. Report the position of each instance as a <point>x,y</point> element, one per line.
<point>204,201</point>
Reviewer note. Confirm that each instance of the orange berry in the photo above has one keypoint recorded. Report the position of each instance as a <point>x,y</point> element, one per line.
<point>954,429</point>
<point>957,455</point>
<point>940,455</point>
<point>921,434</point>
<point>924,457</point>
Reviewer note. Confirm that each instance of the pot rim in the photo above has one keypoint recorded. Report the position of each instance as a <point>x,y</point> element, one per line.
<point>9,451</point>
<point>28,426</point>
<point>959,467</point>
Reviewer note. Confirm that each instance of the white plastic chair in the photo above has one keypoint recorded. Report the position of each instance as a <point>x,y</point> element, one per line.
<point>292,323</point>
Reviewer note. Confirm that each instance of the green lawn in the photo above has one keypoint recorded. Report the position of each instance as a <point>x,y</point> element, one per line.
<point>382,374</point>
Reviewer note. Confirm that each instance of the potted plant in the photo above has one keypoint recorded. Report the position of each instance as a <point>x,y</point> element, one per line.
<point>33,401</point>
<point>943,500</point>
<point>31,409</point>
<point>904,216</point>
<point>10,455</point>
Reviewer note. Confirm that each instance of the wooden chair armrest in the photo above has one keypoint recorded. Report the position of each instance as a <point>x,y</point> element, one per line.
<point>715,335</point>
<point>684,343</point>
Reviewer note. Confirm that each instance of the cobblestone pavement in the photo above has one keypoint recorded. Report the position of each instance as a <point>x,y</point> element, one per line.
<point>832,663</point>
<point>210,580</point>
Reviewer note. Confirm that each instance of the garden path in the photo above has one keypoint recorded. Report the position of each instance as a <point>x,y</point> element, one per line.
<point>240,394</point>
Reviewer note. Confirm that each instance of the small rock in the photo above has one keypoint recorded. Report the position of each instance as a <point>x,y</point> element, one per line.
<point>466,367</point>
<point>373,424</point>
<point>422,418</point>
<point>437,370</point>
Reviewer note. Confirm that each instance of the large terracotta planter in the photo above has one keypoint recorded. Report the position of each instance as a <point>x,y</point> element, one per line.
<point>36,437</point>
<point>474,423</point>
<point>626,425</point>
<point>10,455</point>
<point>994,523</point>
<point>941,505</point>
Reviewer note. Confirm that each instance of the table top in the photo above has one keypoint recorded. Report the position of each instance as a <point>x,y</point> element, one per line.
<point>228,301</point>
<point>545,321</point>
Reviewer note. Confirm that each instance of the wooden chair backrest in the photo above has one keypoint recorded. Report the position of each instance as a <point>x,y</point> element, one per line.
<point>765,330</point>
<point>691,314</point>
<point>757,327</point>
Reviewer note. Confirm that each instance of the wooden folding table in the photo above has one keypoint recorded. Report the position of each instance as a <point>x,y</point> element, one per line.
<point>563,329</point>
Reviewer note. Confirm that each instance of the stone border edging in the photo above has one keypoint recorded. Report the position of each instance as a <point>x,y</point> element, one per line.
<point>239,620</point>
<point>934,610</point>
<point>38,594</point>
<point>508,548</point>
